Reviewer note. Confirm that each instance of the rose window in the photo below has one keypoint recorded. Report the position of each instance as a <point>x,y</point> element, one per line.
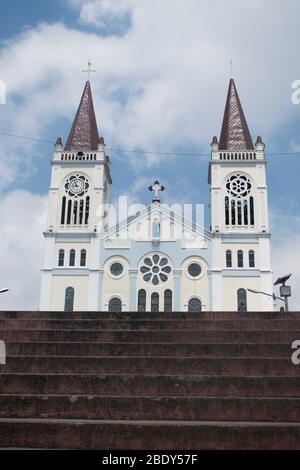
<point>155,269</point>
<point>238,185</point>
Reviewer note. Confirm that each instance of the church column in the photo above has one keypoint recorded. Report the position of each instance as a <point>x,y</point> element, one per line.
<point>177,290</point>
<point>133,293</point>
<point>100,299</point>
<point>210,302</point>
<point>94,278</point>
<point>94,298</point>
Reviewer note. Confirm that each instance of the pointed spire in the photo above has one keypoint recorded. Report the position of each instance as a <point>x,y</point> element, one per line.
<point>84,132</point>
<point>235,134</point>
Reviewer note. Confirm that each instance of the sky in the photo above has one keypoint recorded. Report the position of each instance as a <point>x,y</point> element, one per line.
<point>162,73</point>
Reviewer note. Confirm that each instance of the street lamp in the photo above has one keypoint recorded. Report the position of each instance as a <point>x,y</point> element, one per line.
<point>285,291</point>
<point>3,290</point>
<point>265,293</point>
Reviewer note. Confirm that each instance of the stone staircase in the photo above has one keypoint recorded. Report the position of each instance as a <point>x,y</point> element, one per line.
<point>149,381</point>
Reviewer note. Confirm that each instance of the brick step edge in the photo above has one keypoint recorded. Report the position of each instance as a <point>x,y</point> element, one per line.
<point>160,435</point>
<point>211,336</point>
<point>219,366</point>
<point>147,315</point>
<point>150,408</point>
<point>150,385</point>
<point>48,348</point>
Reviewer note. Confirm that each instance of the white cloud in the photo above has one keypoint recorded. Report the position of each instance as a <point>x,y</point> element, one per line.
<point>22,221</point>
<point>97,12</point>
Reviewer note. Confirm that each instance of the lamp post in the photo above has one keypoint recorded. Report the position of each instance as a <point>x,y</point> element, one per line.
<point>285,291</point>
<point>253,291</point>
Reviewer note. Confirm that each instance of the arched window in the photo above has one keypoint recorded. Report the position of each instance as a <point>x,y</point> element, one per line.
<point>251,259</point>
<point>115,305</point>
<point>240,259</point>
<point>61,257</point>
<point>155,302</point>
<point>82,257</point>
<point>69,212</point>
<point>242,300</point>
<point>226,210</point>
<point>63,210</point>
<point>75,212</point>
<point>195,305</point>
<point>245,212</point>
<point>69,299</point>
<point>87,210</point>
<point>239,212</point>
<point>251,210</point>
<point>168,300</point>
<point>228,259</point>
<point>81,212</point>
<point>142,300</point>
<point>72,258</point>
<point>233,212</point>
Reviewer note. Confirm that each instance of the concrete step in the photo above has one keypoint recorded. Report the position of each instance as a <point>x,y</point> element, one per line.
<point>160,325</point>
<point>156,365</point>
<point>150,385</point>
<point>150,408</point>
<point>149,349</point>
<point>153,336</point>
<point>122,434</point>
<point>148,315</point>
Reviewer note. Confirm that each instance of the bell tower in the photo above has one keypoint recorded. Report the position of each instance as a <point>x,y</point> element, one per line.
<point>78,196</point>
<point>239,214</point>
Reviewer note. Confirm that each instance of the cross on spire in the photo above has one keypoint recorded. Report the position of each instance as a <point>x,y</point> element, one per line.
<point>89,70</point>
<point>156,188</point>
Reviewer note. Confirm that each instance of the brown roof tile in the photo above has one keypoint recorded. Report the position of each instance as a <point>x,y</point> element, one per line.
<point>84,132</point>
<point>235,134</point>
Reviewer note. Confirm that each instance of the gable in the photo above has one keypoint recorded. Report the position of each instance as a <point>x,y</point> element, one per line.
<point>156,223</point>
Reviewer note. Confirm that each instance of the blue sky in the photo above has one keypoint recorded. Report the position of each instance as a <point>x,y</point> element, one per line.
<point>162,72</point>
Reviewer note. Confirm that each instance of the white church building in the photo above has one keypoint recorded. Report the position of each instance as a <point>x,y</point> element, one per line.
<point>157,259</point>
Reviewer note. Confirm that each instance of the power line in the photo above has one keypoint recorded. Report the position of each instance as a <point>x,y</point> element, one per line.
<point>147,152</point>
<point>158,153</point>
<point>26,138</point>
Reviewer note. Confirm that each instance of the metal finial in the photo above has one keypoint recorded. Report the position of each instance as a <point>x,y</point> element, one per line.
<point>89,70</point>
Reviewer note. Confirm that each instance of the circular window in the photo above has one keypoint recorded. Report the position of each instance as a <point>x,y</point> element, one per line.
<point>116,269</point>
<point>194,269</point>
<point>76,186</point>
<point>155,269</point>
<point>238,185</point>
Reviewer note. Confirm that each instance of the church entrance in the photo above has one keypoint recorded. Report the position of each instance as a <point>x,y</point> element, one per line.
<point>115,305</point>
<point>195,305</point>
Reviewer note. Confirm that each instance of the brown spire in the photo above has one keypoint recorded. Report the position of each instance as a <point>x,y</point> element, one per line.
<point>84,133</point>
<point>235,134</point>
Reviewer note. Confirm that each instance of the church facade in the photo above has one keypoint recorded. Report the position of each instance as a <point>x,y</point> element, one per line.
<point>157,259</point>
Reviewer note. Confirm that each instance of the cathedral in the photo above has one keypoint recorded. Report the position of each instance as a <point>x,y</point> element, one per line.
<point>157,259</point>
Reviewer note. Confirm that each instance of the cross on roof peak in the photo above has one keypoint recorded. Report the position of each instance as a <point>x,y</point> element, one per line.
<point>89,70</point>
<point>156,188</point>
